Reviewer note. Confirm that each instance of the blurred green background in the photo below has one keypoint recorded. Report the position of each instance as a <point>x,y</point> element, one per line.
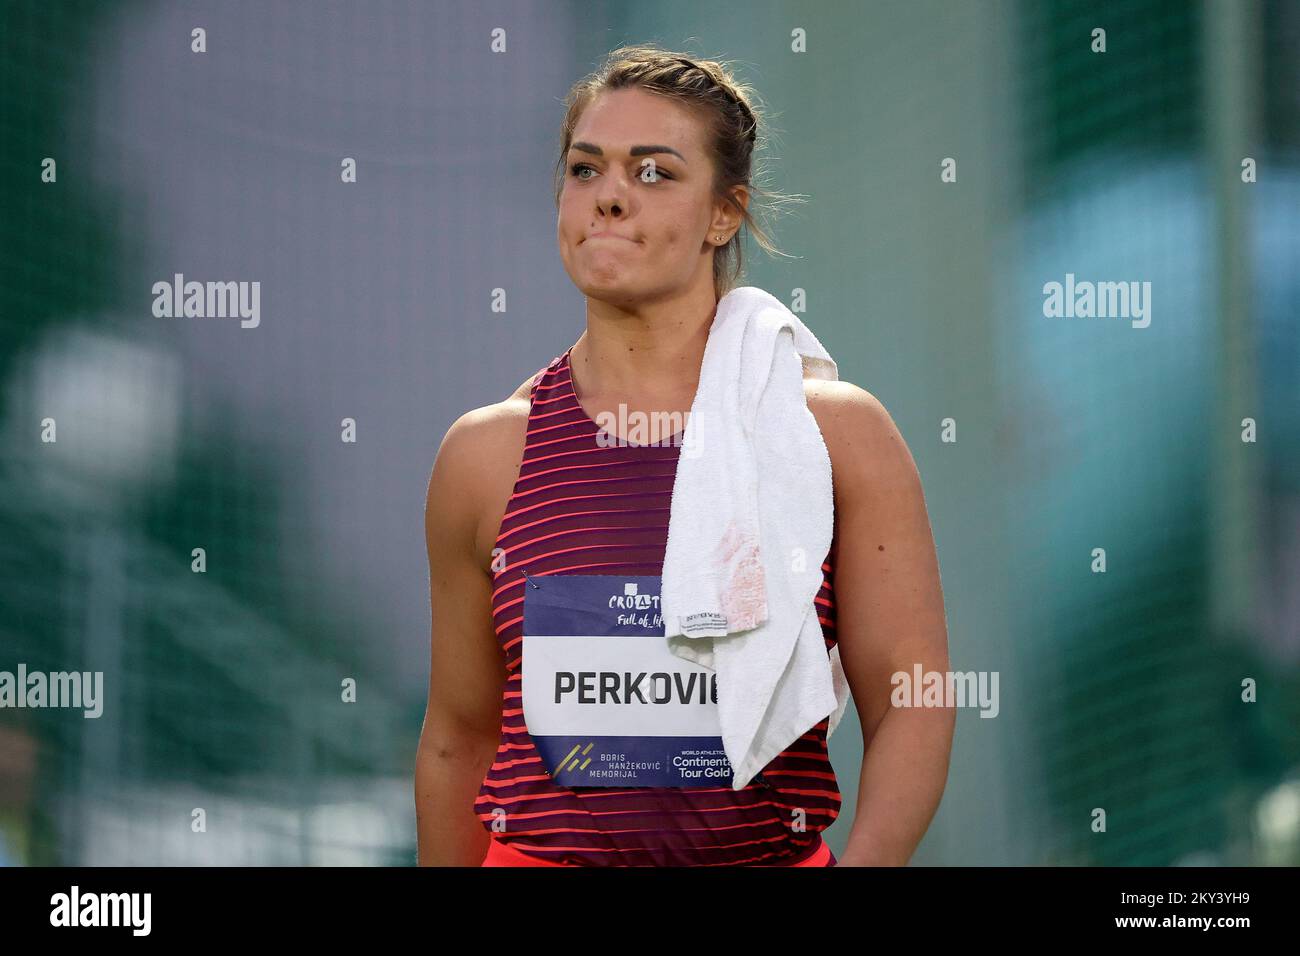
<point>223,688</point>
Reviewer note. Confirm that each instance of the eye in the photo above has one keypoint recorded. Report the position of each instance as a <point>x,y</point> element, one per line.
<point>650,172</point>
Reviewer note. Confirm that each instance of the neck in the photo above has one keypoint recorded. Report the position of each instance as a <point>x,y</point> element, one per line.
<point>652,349</point>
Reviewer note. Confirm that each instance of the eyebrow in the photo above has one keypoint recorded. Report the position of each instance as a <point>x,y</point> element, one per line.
<point>634,151</point>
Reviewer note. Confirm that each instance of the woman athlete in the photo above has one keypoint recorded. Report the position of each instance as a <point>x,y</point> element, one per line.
<point>653,186</point>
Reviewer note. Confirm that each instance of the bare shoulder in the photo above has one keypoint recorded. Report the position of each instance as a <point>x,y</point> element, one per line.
<point>864,443</point>
<point>475,469</point>
<point>480,430</point>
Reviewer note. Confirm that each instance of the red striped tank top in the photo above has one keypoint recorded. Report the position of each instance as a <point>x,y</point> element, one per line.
<point>580,507</point>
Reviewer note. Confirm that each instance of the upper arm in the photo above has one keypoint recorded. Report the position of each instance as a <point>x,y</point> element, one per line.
<point>888,595</point>
<point>466,668</point>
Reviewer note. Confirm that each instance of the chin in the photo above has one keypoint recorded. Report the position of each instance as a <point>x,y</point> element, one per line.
<point>608,277</point>
<point>608,289</point>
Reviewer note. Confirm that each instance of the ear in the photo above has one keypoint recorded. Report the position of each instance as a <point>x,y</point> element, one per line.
<point>726,218</point>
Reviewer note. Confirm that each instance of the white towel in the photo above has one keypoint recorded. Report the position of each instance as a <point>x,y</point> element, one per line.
<point>751,520</point>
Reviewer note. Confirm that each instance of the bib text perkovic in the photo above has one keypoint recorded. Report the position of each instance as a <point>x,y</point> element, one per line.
<point>606,701</point>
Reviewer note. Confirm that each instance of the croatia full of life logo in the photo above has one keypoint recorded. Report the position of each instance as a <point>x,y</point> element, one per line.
<point>641,609</point>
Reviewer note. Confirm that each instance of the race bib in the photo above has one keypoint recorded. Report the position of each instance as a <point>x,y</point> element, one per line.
<point>605,700</point>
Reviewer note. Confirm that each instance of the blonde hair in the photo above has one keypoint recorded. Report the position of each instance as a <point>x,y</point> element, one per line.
<point>729,109</point>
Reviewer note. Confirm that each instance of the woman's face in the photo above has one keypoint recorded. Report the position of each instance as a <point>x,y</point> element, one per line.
<point>637,202</point>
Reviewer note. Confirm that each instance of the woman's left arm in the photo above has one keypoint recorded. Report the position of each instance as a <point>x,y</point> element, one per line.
<point>889,620</point>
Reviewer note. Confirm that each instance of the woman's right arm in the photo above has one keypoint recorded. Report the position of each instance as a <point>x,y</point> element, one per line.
<point>462,721</point>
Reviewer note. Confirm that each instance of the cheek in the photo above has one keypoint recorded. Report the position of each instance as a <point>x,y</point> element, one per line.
<point>675,235</point>
<point>680,230</point>
<point>568,217</point>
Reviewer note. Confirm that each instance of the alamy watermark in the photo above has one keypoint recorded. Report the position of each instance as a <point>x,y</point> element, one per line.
<point>946,689</point>
<point>208,300</point>
<point>73,689</point>
<point>626,428</point>
<point>76,908</point>
<point>1099,300</point>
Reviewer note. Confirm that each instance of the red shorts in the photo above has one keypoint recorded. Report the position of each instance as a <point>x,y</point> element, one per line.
<point>500,853</point>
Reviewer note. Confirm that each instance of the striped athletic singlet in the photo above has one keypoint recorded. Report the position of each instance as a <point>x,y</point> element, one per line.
<point>579,507</point>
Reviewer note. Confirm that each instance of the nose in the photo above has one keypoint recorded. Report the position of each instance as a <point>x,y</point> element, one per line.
<point>611,199</point>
